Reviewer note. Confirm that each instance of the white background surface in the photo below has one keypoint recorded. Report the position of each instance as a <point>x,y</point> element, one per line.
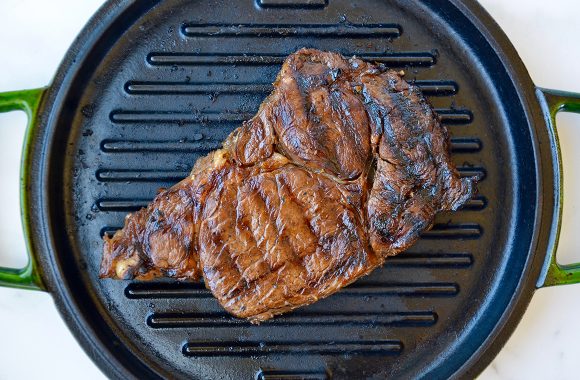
<point>34,36</point>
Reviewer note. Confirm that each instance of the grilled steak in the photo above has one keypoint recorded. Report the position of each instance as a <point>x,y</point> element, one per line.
<point>344,165</point>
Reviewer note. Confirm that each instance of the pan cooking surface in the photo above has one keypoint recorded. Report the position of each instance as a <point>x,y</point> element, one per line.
<point>169,81</point>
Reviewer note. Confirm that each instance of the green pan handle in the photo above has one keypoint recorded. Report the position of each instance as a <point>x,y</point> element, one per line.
<point>27,101</point>
<point>556,101</point>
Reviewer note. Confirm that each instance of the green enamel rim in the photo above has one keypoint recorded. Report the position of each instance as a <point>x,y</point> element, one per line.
<point>29,102</point>
<point>557,101</point>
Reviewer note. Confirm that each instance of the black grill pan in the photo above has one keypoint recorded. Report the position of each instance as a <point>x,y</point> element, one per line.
<point>150,86</point>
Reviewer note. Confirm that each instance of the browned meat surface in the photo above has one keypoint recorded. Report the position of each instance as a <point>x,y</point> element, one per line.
<point>344,164</point>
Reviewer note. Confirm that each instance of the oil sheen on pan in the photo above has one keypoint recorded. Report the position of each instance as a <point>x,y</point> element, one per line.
<point>344,165</point>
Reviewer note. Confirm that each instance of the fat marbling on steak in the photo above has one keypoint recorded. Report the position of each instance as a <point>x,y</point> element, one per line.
<point>344,164</point>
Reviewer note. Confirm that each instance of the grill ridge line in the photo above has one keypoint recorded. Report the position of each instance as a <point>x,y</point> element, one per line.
<point>126,205</point>
<point>462,145</point>
<point>253,348</point>
<point>161,320</point>
<point>120,116</point>
<point>210,30</point>
<point>197,290</point>
<point>134,87</point>
<point>172,175</point>
<point>398,59</point>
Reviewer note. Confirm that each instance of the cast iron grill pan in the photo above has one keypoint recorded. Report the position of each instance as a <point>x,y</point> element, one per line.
<point>166,84</point>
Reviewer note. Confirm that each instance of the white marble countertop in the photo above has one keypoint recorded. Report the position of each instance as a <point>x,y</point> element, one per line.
<point>34,36</point>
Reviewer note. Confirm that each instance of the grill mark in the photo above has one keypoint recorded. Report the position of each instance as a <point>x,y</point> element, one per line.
<point>224,252</point>
<point>268,212</point>
<point>309,223</point>
<point>323,119</point>
<point>273,267</point>
<point>300,348</point>
<point>348,105</point>
<point>321,185</point>
<point>230,263</point>
<point>284,236</point>
<point>237,265</point>
<point>283,184</point>
<point>172,320</point>
<point>389,135</point>
<point>404,113</point>
<point>309,220</point>
<point>292,30</point>
<point>242,222</point>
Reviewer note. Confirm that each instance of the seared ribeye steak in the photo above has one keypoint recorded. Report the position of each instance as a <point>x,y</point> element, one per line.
<point>344,165</point>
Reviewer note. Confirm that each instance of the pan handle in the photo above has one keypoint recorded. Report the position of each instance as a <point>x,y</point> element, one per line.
<point>555,101</point>
<point>27,101</point>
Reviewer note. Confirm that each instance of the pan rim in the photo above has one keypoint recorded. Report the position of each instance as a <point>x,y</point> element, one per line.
<point>548,189</point>
<point>43,236</point>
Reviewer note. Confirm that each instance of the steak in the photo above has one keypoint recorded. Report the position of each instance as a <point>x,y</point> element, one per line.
<point>344,164</point>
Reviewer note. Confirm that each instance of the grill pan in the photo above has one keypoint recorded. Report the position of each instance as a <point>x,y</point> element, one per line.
<point>150,86</point>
